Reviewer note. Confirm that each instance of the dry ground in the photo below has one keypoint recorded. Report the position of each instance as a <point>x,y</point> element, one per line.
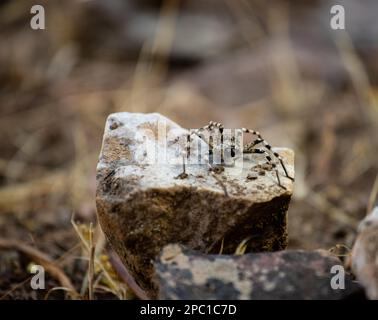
<point>274,72</point>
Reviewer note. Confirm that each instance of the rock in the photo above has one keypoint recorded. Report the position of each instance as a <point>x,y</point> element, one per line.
<point>146,202</point>
<point>292,274</point>
<point>364,257</point>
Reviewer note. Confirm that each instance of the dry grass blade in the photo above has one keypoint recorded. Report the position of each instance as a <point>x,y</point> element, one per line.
<point>91,264</point>
<point>340,250</point>
<point>42,259</point>
<point>222,245</point>
<point>93,253</point>
<point>240,250</point>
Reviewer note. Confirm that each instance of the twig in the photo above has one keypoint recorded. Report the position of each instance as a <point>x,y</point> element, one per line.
<point>20,284</point>
<point>124,274</point>
<point>42,259</point>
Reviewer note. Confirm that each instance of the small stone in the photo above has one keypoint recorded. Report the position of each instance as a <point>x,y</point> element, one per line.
<point>182,175</point>
<point>252,176</point>
<point>266,166</point>
<point>217,169</point>
<point>364,257</point>
<point>294,274</point>
<point>145,202</point>
<point>261,172</point>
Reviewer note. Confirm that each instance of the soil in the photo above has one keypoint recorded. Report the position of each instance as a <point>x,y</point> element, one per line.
<point>58,85</point>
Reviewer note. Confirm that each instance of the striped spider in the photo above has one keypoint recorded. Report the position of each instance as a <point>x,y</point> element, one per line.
<point>222,147</point>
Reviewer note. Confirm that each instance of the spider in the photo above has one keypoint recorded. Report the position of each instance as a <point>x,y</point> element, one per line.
<point>258,146</point>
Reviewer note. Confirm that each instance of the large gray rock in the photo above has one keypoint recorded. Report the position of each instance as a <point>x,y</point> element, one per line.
<point>145,203</point>
<point>292,274</point>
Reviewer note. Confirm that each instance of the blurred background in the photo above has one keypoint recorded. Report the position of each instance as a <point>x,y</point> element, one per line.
<point>275,66</point>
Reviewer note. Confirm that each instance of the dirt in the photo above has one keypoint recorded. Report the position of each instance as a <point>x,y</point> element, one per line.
<point>57,87</point>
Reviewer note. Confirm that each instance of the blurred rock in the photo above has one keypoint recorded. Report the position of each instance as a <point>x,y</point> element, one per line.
<point>184,274</point>
<point>364,256</point>
<point>143,206</point>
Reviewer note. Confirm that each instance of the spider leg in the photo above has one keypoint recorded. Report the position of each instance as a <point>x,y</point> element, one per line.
<point>283,166</point>
<point>251,145</point>
<point>267,146</point>
<point>220,128</point>
<point>183,174</point>
<point>187,152</point>
<point>210,128</point>
<point>188,140</point>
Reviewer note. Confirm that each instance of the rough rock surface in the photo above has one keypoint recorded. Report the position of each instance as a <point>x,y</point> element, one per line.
<point>292,274</point>
<point>144,205</point>
<point>364,257</point>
